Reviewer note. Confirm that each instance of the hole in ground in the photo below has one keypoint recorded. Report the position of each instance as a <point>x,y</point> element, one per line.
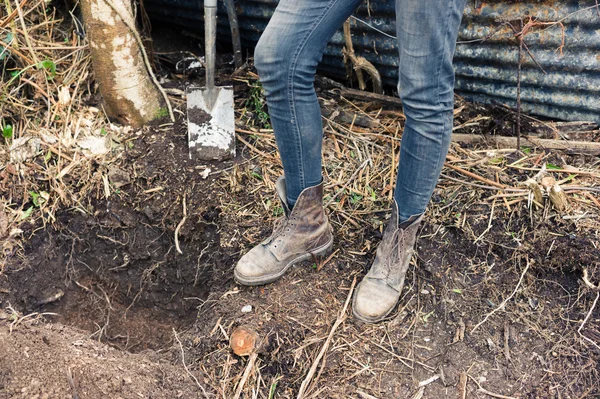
<point>116,276</point>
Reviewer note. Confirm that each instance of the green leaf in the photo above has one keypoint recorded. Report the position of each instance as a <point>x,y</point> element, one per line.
<point>372,193</point>
<point>551,166</point>
<point>278,210</point>
<point>272,390</point>
<point>103,131</point>
<point>48,65</point>
<point>569,179</point>
<point>526,150</point>
<point>457,290</point>
<point>3,49</point>
<point>355,198</point>
<point>7,132</point>
<point>427,316</point>
<point>27,213</point>
<point>35,198</point>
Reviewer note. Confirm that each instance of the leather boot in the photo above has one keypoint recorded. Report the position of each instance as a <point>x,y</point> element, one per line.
<point>300,234</point>
<point>379,291</point>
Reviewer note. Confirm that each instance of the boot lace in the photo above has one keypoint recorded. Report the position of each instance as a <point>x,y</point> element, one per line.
<point>398,242</point>
<point>281,227</point>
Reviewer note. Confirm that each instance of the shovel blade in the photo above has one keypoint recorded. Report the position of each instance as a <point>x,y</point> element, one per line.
<point>211,123</point>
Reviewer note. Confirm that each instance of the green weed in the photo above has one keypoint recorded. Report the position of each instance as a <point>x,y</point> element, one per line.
<point>48,65</point>
<point>7,132</point>
<point>256,104</point>
<point>161,113</point>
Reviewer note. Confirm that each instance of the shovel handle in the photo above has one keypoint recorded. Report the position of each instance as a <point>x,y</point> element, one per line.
<point>210,40</point>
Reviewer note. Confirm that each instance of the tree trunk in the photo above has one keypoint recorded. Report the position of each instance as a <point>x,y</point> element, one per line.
<point>129,94</point>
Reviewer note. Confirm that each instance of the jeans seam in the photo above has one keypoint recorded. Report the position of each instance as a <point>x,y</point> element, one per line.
<point>443,58</point>
<point>291,75</point>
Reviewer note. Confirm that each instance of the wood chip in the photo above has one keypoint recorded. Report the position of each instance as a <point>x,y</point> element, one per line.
<point>243,341</point>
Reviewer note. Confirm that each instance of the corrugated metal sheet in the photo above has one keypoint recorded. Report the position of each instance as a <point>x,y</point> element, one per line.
<point>567,88</point>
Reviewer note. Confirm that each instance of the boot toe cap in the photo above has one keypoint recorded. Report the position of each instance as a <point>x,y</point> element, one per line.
<point>250,265</point>
<point>374,300</point>
<point>255,267</point>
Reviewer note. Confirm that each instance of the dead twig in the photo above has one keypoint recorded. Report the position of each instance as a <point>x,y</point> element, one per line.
<point>596,288</point>
<point>179,226</point>
<point>462,385</point>
<point>584,147</point>
<point>185,365</point>
<point>504,302</point>
<point>246,374</point>
<point>519,68</point>
<point>341,318</point>
<point>360,64</point>
<point>72,384</point>
<point>492,394</point>
<point>473,175</point>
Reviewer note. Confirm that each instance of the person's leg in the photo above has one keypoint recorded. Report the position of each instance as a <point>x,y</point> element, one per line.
<point>286,58</point>
<point>427,32</point>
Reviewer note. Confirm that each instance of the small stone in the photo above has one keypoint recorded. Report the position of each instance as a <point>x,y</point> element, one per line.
<point>205,173</point>
<point>425,292</point>
<point>247,309</point>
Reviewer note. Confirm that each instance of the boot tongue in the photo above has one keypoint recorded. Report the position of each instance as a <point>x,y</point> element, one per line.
<point>408,222</point>
<point>395,219</point>
<point>282,193</point>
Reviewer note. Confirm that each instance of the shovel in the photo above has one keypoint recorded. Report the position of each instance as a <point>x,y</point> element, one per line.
<point>211,122</point>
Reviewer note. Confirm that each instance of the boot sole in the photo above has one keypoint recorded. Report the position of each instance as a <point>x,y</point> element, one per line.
<point>322,251</point>
<point>364,319</point>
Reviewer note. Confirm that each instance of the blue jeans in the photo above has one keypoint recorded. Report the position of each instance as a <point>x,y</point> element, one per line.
<point>287,56</point>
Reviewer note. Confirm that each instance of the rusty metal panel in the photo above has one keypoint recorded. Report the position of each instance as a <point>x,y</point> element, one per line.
<point>563,82</point>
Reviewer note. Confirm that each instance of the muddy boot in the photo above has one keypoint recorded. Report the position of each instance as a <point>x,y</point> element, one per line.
<point>300,234</point>
<point>379,291</point>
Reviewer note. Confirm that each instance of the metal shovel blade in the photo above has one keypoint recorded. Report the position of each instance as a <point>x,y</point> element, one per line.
<point>211,123</point>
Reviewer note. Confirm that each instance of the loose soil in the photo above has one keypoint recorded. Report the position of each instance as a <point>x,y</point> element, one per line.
<point>115,261</point>
<point>124,282</point>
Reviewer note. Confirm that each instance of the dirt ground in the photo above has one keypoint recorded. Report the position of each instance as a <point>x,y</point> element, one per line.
<point>128,291</point>
<point>112,269</point>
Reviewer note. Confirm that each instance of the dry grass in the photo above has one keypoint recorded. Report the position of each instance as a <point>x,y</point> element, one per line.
<point>56,146</point>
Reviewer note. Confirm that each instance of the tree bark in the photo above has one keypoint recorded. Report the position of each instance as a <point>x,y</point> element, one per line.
<point>129,94</point>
